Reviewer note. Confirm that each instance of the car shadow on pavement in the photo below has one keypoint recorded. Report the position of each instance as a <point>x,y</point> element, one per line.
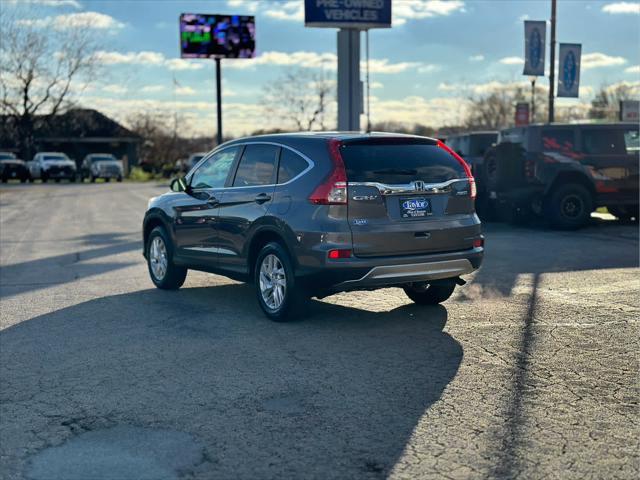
<point>41,273</point>
<point>335,396</point>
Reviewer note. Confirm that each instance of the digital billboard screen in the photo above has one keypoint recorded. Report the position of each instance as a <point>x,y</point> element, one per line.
<point>217,36</point>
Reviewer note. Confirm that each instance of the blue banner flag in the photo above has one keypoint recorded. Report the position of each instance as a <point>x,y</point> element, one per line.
<point>569,70</point>
<point>534,47</point>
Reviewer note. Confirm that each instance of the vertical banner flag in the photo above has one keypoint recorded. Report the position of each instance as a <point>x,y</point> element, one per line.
<point>534,47</point>
<point>569,69</point>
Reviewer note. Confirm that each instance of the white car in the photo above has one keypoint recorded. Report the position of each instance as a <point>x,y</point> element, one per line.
<point>52,165</point>
<point>101,165</point>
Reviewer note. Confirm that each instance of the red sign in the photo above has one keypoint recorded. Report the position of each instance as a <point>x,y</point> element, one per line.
<point>522,114</point>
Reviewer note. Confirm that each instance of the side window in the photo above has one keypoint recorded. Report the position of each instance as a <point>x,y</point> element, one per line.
<point>214,171</point>
<point>291,165</point>
<point>558,140</point>
<point>632,141</point>
<point>603,141</point>
<point>256,166</point>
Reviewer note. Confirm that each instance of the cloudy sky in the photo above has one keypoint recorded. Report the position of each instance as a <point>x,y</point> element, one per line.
<point>436,54</point>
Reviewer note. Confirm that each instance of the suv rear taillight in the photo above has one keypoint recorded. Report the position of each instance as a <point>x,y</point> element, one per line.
<point>465,166</point>
<point>333,190</point>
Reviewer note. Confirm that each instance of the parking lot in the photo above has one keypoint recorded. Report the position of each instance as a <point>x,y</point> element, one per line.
<point>530,370</point>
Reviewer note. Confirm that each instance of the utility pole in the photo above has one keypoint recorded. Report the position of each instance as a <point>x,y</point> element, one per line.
<point>219,99</point>
<point>552,66</point>
<point>533,100</point>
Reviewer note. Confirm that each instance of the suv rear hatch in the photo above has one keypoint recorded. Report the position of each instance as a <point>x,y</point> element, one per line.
<point>408,196</point>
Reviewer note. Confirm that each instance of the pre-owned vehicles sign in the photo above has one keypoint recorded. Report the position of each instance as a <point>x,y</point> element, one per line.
<point>361,14</point>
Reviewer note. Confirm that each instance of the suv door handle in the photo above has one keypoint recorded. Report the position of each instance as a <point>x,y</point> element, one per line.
<point>213,201</point>
<point>262,197</point>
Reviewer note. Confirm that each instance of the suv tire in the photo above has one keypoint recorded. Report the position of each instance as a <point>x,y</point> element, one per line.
<point>429,294</point>
<point>568,207</point>
<point>164,273</point>
<point>279,302</point>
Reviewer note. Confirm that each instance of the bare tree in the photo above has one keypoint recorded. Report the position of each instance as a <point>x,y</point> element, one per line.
<point>495,109</point>
<point>301,98</point>
<point>41,65</point>
<point>606,102</point>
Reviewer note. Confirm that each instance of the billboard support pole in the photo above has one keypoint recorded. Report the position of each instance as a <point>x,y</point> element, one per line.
<point>349,87</point>
<point>552,63</point>
<point>368,87</point>
<point>219,99</point>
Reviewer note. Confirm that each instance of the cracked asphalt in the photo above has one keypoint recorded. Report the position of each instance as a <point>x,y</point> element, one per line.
<point>529,371</point>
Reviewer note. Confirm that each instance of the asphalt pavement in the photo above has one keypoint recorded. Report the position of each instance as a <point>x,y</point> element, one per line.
<point>530,370</point>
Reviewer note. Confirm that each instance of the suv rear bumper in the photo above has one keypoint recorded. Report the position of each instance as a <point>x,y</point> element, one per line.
<point>412,272</point>
<point>364,273</point>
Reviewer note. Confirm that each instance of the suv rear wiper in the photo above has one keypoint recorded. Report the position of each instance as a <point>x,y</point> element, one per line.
<point>396,171</point>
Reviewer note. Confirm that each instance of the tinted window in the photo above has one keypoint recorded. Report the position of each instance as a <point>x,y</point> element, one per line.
<point>257,166</point>
<point>214,171</point>
<point>54,158</point>
<point>480,144</point>
<point>632,141</point>
<point>603,141</point>
<point>103,159</point>
<point>399,163</point>
<point>291,165</point>
<point>558,140</point>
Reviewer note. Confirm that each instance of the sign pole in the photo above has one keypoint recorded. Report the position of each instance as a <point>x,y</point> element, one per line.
<point>368,86</point>
<point>349,89</point>
<point>533,99</point>
<point>552,65</point>
<point>219,99</point>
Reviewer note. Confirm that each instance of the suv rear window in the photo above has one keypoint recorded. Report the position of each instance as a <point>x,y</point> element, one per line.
<point>399,163</point>
<point>603,141</point>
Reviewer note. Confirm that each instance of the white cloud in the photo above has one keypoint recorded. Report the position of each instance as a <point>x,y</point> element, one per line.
<point>325,60</point>
<point>376,85</point>
<point>114,88</point>
<point>300,59</point>
<point>130,58</point>
<point>419,9</point>
<point>511,61</point>
<point>147,58</point>
<point>634,69</point>
<point>597,60</point>
<point>50,3</point>
<point>633,86</point>
<point>292,10</point>
<point>152,88</point>
<point>249,5</point>
<point>182,64</point>
<point>476,58</point>
<point>416,109</point>
<point>622,7</point>
<point>93,20</point>
<point>185,91</point>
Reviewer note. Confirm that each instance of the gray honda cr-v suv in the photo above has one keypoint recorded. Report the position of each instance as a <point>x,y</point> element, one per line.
<point>311,214</point>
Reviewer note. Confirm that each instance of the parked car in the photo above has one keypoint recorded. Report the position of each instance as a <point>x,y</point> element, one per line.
<point>12,168</point>
<point>312,214</point>
<point>52,165</point>
<point>563,172</point>
<point>101,165</point>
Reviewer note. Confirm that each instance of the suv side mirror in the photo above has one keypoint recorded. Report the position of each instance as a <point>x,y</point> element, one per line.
<point>179,185</point>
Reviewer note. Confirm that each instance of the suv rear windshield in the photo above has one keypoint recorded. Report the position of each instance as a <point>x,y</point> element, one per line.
<point>54,158</point>
<point>399,163</point>
<point>104,158</point>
